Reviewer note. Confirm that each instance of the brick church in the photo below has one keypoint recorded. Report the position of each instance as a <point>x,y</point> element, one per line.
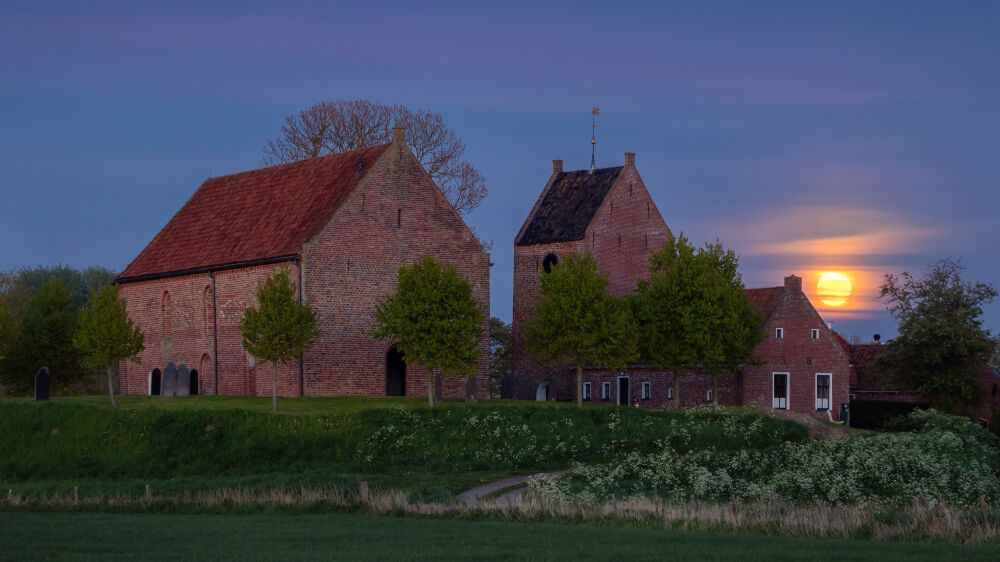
<point>342,225</point>
<point>608,213</point>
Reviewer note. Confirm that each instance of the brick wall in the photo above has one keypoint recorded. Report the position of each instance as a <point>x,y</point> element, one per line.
<point>176,315</point>
<point>625,231</point>
<point>395,216</point>
<point>797,354</point>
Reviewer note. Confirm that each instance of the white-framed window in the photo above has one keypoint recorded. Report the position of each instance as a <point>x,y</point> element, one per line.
<point>670,393</point>
<point>586,391</point>
<point>647,390</point>
<point>779,390</point>
<point>708,395</point>
<point>779,333</point>
<point>815,333</point>
<point>605,391</point>
<point>823,383</point>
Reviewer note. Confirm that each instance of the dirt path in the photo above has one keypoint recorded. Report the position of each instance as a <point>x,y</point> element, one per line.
<point>817,429</point>
<point>518,484</point>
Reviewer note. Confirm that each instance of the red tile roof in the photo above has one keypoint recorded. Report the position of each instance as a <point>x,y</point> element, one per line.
<point>253,216</point>
<point>764,301</point>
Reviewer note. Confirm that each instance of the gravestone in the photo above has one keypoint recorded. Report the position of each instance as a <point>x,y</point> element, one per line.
<point>168,387</point>
<point>507,387</point>
<point>471,390</point>
<point>438,389</point>
<point>183,387</point>
<point>42,384</point>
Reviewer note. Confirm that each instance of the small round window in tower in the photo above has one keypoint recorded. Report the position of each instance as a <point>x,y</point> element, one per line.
<point>549,261</point>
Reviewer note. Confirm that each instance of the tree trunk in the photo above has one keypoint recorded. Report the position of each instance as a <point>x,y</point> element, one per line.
<point>430,388</point>
<point>274,386</point>
<point>579,384</point>
<point>715,390</point>
<point>111,386</point>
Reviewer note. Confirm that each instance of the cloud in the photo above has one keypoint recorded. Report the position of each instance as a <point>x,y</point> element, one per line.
<point>824,231</point>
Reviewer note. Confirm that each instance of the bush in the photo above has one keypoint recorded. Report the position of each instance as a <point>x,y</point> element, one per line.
<point>943,457</point>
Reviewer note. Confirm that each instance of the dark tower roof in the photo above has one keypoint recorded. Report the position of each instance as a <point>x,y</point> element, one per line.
<point>567,205</point>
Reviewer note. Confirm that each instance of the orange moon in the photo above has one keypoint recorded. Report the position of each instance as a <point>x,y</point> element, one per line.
<point>833,289</point>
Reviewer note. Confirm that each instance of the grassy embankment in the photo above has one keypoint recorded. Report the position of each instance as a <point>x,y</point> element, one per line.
<point>202,443</point>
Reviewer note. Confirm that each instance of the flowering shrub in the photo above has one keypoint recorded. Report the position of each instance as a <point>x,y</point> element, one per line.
<point>945,457</point>
<point>537,438</point>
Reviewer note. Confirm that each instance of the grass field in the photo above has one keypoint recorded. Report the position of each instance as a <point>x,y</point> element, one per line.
<point>94,536</point>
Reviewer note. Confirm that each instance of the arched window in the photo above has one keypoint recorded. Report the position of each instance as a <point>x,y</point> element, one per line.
<point>206,306</point>
<point>549,261</point>
<point>167,311</point>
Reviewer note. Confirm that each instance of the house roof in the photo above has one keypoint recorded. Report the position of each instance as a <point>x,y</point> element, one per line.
<point>764,301</point>
<point>254,216</point>
<point>568,205</point>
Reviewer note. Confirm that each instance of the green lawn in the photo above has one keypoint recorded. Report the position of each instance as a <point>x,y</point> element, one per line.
<point>95,536</point>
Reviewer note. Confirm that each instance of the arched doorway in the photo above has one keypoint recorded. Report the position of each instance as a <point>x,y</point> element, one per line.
<point>154,382</point>
<point>395,373</point>
<point>542,394</point>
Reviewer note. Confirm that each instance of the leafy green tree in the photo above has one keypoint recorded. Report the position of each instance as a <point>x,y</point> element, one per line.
<point>434,320</point>
<point>280,329</point>
<point>17,289</point>
<point>942,344</point>
<point>45,338</point>
<point>500,354</point>
<point>694,312</point>
<point>106,335</point>
<point>577,322</point>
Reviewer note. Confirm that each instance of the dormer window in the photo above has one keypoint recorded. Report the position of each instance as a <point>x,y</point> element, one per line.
<point>815,333</point>
<point>779,333</point>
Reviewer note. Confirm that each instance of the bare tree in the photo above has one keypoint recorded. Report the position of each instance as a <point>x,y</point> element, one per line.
<point>345,125</point>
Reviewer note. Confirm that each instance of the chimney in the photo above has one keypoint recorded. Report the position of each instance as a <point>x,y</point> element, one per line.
<point>829,325</point>
<point>630,160</point>
<point>399,135</point>
<point>793,283</point>
<point>557,166</point>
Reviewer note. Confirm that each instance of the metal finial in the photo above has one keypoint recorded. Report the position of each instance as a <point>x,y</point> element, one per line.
<point>593,137</point>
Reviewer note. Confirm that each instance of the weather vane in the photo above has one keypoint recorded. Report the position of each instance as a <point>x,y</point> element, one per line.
<point>593,136</point>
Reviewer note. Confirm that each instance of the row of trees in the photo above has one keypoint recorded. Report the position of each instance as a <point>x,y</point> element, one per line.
<point>693,311</point>
<point>39,314</point>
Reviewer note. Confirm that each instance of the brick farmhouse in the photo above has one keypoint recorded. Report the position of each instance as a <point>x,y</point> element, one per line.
<point>608,212</point>
<point>342,225</point>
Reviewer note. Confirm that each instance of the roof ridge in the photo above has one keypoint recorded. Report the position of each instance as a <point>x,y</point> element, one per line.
<point>303,161</point>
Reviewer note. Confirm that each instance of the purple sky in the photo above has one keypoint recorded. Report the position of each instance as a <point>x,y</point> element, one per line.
<point>855,137</point>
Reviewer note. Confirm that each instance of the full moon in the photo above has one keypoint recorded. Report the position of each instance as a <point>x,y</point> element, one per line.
<point>833,289</point>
